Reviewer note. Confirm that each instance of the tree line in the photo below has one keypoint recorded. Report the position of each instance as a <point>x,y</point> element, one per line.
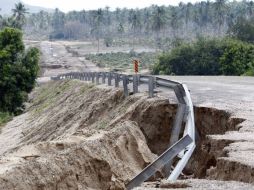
<point>185,21</point>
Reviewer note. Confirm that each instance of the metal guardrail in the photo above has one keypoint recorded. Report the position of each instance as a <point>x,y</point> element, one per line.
<point>183,147</point>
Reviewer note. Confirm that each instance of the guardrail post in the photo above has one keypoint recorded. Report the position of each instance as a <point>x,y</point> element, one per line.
<point>97,77</point>
<point>93,76</point>
<point>135,84</point>
<point>103,77</point>
<point>180,94</point>
<point>116,80</point>
<point>109,78</point>
<point>151,86</point>
<point>125,85</point>
<point>88,76</point>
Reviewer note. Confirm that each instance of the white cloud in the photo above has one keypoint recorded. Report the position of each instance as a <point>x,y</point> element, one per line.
<point>67,5</point>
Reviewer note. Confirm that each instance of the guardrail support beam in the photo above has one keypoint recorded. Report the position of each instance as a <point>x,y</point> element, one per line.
<point>135,84</point>
<point>103,78</point>
<point>97,77</point>
<point>109,78</point>
<point>125,85</point>
<point>168,155</point>
<point>175,132</point>
<point>151,86</point>
<point>116,80</point>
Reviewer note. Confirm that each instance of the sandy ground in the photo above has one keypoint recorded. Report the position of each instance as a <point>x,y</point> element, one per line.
<point>58,57</point>
<point>60,143</point>
<point>233,94</point>
<point>56,60</point>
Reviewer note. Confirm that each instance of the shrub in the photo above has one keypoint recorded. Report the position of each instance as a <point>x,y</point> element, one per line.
<point>208,57</point>
<point>18,70</point>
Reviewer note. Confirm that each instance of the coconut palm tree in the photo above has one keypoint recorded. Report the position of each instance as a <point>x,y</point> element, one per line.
<point>97,22</point>
<point>135,23</point>
<point>220,12</point>
<point>19,15</point>
<point>158,20</point>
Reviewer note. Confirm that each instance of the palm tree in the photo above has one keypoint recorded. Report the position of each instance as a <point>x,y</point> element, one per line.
<point>187,16</point>
<point>135,22</point>
<point>58,22</point>
<point>174,21</point>
<point>250,8</point>
<point>220,10</point>
<point>158,20</point>
<point>146,20</point>
<point>97,21</point>
<point>19,13</point>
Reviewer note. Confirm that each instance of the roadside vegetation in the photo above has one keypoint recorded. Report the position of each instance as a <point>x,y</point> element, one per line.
<point>18,65</point>
<point>4,118</point>
<point>18,70</point>
<point>208,57</point>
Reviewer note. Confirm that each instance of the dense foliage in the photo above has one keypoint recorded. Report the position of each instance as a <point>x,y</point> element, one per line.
<point>18,70</point>
<point>208,57</point>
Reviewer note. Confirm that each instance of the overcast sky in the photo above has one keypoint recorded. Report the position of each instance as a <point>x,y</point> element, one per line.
<point>67,5</point>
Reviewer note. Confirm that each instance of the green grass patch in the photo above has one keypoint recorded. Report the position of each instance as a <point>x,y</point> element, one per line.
<point>103,124</point>
<point>123,61</point>
<point>5,117</point>
<point>49,94</point>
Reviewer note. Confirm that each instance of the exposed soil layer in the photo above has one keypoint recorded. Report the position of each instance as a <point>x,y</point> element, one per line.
<point>78,136</point>
<point>196,184</point>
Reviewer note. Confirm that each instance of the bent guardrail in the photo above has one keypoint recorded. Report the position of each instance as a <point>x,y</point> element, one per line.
<point>183,148</point>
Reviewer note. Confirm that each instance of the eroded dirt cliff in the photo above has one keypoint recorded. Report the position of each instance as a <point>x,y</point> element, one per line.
<point>75,135</point>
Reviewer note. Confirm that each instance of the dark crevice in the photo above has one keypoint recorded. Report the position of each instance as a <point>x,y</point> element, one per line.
<point>156,122</point>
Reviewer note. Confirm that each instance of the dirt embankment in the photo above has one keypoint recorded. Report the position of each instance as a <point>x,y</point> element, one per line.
<point>78,136</point>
